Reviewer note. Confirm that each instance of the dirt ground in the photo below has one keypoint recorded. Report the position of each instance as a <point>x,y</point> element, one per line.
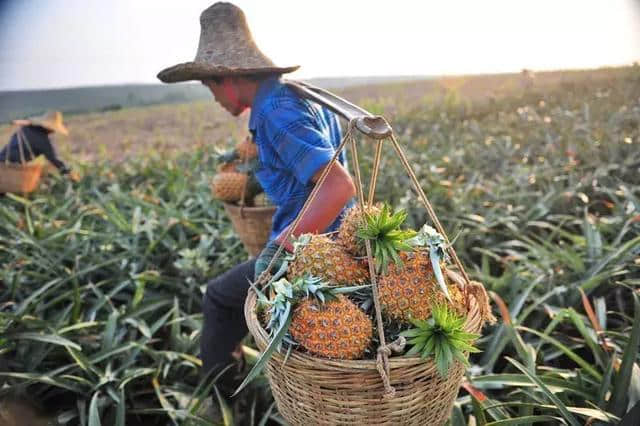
<point>116,135</point>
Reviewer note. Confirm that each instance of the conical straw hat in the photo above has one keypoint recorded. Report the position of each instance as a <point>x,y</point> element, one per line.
<point>51,120</point>
<point>226,48</point>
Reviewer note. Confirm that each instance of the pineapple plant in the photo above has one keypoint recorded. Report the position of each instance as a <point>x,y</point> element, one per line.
<point>320,256</point>
<point>353,220</point>
<point>442,337</point>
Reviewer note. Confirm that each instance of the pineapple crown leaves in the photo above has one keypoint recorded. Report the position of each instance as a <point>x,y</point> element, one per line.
<point>249,166</point>
<point>442,337</point>
<point>287,295</point>
<point>432,240</point>
<point>227,156</point>
<point>386,237</point>
<point>298,243</point>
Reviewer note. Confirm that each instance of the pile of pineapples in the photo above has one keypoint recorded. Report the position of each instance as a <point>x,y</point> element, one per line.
<point>235,174</point>
<point>320,300</point>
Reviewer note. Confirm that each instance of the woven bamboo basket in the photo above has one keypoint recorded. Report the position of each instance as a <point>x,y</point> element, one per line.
<point>19,178</point>
<point>253,225</point>
<point>318,391</point>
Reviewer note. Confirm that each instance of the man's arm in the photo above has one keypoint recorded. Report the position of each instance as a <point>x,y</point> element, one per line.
<point>335,192</point>
<point>49,152</point>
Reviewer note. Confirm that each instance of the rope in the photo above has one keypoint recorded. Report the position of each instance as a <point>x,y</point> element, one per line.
<point>374,172</point>
<point>244,187</point>
<point>382,364</point>
<point>432,214</point>
<point>22,140</point>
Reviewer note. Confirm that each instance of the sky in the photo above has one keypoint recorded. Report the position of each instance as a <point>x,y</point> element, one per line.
<point>69,43</point>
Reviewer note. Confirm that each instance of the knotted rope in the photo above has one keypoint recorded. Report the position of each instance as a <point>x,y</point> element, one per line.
<point>382,364</point>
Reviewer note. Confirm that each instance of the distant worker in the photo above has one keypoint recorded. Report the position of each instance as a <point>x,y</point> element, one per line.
<point>35,132</point>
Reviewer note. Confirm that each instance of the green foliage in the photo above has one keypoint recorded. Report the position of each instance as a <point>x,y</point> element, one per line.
<point>441,337</point>
<point>101,282</point>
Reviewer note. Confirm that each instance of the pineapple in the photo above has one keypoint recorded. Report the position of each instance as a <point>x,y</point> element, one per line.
<point>246,150</point>
<point>410,264</point>
<point>228,186</point>
<point>226,168</point>
<point>319,317</point>
<point>320,256</point>
<point>336,328</point>
<point>347,234</point>
<point>408,290</point>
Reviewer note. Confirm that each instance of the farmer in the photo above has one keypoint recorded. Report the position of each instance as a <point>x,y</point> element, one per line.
<point>32,139</point>
<point>296,141</point>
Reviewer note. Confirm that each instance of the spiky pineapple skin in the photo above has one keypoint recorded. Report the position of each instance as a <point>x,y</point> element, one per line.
<point>347,233</point>
<point>228,186</point>
<point>326,259</point>
<point>335,329</point>
<point>246,150</point>
<point>226,168</point>
<point>408,291</point>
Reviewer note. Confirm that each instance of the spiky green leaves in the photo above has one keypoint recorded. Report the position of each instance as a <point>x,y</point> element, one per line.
<point>435,243</point>
<point>386,237</point>
<point>442,337</point>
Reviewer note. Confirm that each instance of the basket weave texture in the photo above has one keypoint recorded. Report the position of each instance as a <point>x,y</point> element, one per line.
<point>253,225</point>
<point>316,391</point>
<point>19,178</point>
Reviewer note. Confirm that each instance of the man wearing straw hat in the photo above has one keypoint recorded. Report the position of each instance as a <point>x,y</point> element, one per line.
<point>296,141</point>
<point>34,133</point>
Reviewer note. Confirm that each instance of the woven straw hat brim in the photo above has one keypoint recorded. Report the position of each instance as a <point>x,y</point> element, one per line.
<point>55,126</point>
<point>200,71</point>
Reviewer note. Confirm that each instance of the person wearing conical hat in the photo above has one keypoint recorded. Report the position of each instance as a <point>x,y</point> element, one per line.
<point>35,133</point>
<point>296,140</point>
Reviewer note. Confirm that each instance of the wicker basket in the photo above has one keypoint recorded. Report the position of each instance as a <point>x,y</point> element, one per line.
<point>317,391</point>
<point>19,178</point>
<point>253,225</point>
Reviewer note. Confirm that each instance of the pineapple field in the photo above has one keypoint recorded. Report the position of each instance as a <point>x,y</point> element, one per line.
<point>538,188</point>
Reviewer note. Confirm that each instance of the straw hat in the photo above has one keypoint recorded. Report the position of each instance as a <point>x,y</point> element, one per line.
<point>226,48</point>
<point>51,120</point>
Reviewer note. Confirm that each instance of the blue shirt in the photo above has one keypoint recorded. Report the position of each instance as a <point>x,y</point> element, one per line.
<point>295,139</point>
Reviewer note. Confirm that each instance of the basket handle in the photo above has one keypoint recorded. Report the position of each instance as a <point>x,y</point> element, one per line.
<point>376,127</point>
<point>22,140</point>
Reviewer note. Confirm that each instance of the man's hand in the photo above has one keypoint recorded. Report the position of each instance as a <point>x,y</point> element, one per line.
<point>74,176</point>
<point>263,260</point>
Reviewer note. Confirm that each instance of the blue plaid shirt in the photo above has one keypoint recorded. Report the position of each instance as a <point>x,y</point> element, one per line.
<point>295,139</point>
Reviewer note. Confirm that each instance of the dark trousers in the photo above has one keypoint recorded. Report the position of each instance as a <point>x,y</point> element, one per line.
<point>224,325</point>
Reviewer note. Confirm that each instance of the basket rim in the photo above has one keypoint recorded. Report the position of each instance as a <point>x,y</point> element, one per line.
<point>235,207</point>
<point>21,166</point>
<point>473,324</point>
